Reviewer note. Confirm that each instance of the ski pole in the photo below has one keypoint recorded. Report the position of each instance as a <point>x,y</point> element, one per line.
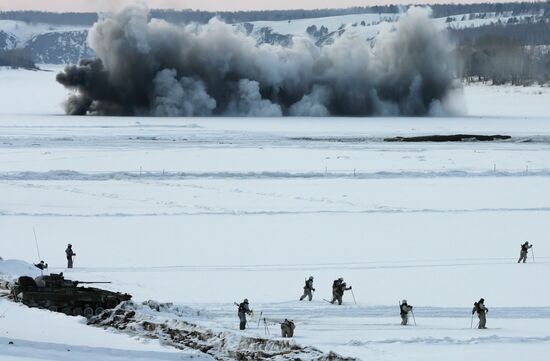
<point>354,300</point>
<point>36,242</point>
<point>472,321</point>
<point>533,254</point>
<point>259,319</point>
<point>414,319</point>
<point>37,249</point>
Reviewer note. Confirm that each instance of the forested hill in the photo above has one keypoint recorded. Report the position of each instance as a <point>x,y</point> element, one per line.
<point>501,43</point>
<point>185,16</point>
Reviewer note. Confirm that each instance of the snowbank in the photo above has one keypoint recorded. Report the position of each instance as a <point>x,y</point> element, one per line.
<point>12,268</point>
<point>49,336</point>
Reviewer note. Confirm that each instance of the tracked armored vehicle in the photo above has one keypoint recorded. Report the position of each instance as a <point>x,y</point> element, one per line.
<point>58,294</point>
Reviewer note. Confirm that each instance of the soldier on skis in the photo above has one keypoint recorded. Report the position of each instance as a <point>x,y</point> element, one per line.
<point>523,253</point>
<point>287,328</point>
<point>338,288</point>
<point>242,312</point>
<point>70,254</point>
<point>41,265</point>
<point>404,310</point>
<point>308,289</point>
<point>481,310</point>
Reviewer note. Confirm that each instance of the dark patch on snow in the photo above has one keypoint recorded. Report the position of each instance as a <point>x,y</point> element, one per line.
<point>450,138</point>
<point>146,320</point>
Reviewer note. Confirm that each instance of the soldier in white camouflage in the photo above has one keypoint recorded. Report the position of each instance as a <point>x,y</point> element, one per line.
<point>242,312</point>
<point>404,310</point>
<point>338,288</point>
<point>524,250</point>
<point>70,254</point>
<point>481,310</point>
<point>287,328</point>
<point>308,289</point>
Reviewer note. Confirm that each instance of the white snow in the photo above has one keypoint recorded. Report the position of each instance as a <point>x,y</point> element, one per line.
<point>44,335</point>
<point>224,209</point>
<point>374,22</point>
<point>13,268</point>
<point>332,23</point>
<point>507,101</point>
<point>34,92</point>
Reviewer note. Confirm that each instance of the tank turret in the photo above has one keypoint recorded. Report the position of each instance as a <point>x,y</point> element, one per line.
<point>58,294</point>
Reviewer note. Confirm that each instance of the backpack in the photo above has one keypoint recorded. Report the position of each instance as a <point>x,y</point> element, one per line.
<point>242,308</point>
<point>477,307</point>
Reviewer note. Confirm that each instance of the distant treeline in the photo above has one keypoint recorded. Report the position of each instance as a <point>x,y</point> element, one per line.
<point>517,8</point>
<point>535,33</point>
<point>499,59</point>
<point>186,16</point>
<point>17,58</point>
<point>50,18</point>
<point>504,53</point>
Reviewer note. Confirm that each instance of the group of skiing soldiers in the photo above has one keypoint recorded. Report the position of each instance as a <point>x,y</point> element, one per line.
<point>338,289</point>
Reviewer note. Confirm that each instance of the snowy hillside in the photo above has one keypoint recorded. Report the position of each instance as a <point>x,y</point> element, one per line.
<point>366,26</point>
<point>50,44</point>
<point>56,44</point>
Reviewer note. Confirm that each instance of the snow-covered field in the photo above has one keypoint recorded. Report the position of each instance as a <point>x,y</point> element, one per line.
<point>204,212</point>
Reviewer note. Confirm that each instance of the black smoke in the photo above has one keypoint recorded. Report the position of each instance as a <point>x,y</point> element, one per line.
<point>152,68</point>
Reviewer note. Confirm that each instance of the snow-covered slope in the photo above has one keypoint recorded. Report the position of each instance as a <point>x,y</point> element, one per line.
<point>8,41</point>
<point>60,47</point>
<point>364,25</point>
<point>57,44</point>
<point>12,268</point>
<point>367,26</point>
<point>50,44</point>
<point>30,334</point>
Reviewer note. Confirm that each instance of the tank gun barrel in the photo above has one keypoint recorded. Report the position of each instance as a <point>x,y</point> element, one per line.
<point>89,283</point>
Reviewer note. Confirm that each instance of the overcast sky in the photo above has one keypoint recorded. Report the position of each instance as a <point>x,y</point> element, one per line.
<point>107,5</point>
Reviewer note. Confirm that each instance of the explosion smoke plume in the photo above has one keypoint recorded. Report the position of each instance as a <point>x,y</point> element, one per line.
<point>149,67</point>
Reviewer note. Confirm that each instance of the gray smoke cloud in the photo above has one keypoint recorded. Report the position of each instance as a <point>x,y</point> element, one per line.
<point>152,68</point>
